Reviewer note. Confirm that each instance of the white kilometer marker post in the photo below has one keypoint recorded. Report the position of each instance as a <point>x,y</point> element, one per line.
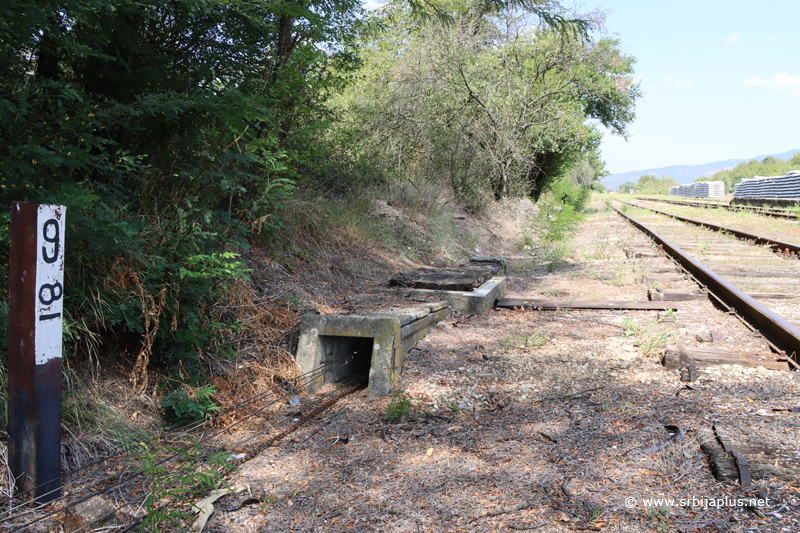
<point>36,309</point>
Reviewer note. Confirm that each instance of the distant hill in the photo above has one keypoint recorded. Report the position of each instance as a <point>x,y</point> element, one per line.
<point>686,173</point>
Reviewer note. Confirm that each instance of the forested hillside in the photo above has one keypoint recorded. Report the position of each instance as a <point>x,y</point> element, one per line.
<point>769,166</point>
<point>176,132</point>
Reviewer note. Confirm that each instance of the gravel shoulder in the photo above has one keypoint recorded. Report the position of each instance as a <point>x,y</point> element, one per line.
<point>541,420</point>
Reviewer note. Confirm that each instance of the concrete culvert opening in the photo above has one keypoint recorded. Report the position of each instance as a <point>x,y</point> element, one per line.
<point>346,359</point>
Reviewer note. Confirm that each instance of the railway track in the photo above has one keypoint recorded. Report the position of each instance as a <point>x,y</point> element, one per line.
<point>743,275</point>
<point>777,244</point>
<point>777,213</point>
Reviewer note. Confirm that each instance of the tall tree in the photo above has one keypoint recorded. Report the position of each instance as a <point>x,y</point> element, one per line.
<point>171,130</point>
<point>499,103</point>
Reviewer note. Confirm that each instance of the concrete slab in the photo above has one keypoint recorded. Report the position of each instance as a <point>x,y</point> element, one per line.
<point>477,302</point>
<point>342,346</point>
<point>466,299</point>
<point>462,278</point>
<point>498,260</point>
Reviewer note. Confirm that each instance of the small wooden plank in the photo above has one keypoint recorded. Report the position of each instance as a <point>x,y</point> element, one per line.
<point>772,296</point>
<point>655,295</point>
<point>663,270</point>
<point>679,356</point>
<point>525,303</point>
<point>635,254</point>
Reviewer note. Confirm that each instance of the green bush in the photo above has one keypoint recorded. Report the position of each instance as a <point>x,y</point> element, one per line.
<point>553,223</point>
<point>175,486</point>
<point>171,160</point>
<point>399,407</point>
<point>181,408</point>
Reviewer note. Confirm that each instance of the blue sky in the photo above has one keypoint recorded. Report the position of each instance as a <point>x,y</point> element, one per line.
<point>721,80</point>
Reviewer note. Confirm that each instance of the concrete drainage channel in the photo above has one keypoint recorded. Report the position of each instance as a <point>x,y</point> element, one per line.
<point>375,343</point>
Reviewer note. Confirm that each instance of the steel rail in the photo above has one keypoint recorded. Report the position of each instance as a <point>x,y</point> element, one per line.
<point>778,331</point>
<point>729,207</point>
<point>759,239</point>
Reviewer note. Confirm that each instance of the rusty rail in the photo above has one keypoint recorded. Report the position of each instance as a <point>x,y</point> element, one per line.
<point>774,328</point>
<point>759,239</point>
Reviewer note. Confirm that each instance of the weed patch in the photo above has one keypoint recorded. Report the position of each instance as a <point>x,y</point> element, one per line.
<point>517,338</point>
<point>400,406</point>
<point>653,338</point>
<point>175,484</point>
<point>184,406</point>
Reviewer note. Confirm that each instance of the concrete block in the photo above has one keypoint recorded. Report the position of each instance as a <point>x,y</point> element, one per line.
<point>375,343</point>
<point>499,260</point>
<point>477,302</point>
<point>89,515</point>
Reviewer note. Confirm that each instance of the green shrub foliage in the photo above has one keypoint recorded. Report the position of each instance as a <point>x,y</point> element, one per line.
<point>175,130</point>
<point>497,103</point>
<point>769,166</point>
<point>172,131</point>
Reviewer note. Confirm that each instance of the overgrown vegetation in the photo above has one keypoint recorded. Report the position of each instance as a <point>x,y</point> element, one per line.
<point>179,133</point>
<point>177,481</point>
<point>557,220</point>
<point>172,132</point>
<point>517,338</point>
<point>183,407</point>
<point>650,184</point>
<point>494,103</point>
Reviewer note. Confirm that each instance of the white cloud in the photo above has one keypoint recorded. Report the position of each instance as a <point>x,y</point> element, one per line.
<point>734,38</point>
<point>670,81</point>
<point>680,82</point>
<point>781,82</point>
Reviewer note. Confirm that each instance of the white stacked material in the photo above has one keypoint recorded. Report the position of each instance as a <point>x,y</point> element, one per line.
<point>787,186</point>
<point>711,189</point>
<point>700,189</point>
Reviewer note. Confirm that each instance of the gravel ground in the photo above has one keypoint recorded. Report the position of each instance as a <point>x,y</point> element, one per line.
<point>541,421</point>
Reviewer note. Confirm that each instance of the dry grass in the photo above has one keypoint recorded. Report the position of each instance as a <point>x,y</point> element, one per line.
<point>682,459</point>
<point>6,479</point>
<point>103,416</point>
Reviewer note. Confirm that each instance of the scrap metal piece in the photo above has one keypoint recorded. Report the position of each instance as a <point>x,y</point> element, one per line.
<point>723,439</point>
<point>745,477</point>
<point>689,373</point>
<point>742,464</point>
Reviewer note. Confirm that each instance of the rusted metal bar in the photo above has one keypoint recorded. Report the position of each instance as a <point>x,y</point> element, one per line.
<point>745,476</point>
<point>36,290</point>
<point>773,327</point>
<point>759,239</point>
<point>742,464</point>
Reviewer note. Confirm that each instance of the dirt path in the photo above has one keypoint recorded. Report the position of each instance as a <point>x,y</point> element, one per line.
<point>533,420</point>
